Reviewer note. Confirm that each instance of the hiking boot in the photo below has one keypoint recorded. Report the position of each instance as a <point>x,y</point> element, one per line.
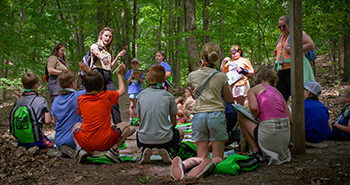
<point>177,171</point>
<point>113,155</point>
<point>146,156</point>
<point>258,155</point>
<point>34,150</point>
<point>67,150</point>
<point>165,155</point>
<point>81,155</point>
<point>316,145</point>
<point>54,153</point>
<point>203,169</point>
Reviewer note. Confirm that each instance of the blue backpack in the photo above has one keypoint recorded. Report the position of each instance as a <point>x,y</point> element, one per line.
<point>311,55</point>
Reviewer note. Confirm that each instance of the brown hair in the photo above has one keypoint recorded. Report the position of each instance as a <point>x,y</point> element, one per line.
<point>346,91</point>
<point>180,100</point>
<point>284,18</point>
<point>66,77</point>
<point>99,40</point>
<point>57,47</point>
<point>162,53</point>
<point>93,81</point>
<point>211,52</point>
<point>29,80</point>
<point>268,75</point>
<point>156,73</point>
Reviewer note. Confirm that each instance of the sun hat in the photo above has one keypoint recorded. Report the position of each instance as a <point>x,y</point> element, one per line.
<point>314,87</point>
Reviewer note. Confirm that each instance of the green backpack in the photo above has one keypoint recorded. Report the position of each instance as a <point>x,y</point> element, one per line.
<point>235,163</point>
<point>186,150</point>
<point>24,124</point>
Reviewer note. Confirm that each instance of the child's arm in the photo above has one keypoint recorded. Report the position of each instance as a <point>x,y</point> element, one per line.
<point>122,53</point>
<point>227,93</point>
<point>120,70</point>
<point>47,118</point>
<point>253,103</point>
<point>222,66</point>
<point>342,127</point>
<point>54,120</point>
<point>173,119</point>
<point>130,77</point>
<point>138,76</point>
<point>290,145</point>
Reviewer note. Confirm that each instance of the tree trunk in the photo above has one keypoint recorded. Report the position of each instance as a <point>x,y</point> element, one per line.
<point>191,40</point>
<point>347,46</point>
<point>134,24</point>
<point>333,58</point>
<point>222,29</point>
<point>171,56</point>
<point>177,65</point>
<point>340,66</point>
<point>259,36</point>
<point>160,27</point>
<point>205,21</point>
<point>99,16</point>
<point>124,32</point>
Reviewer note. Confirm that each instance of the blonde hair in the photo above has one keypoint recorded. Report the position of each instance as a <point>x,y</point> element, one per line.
<point>211,52</point>
<point>29,80</point>
<point>156,73</point>
<point>284,18</point>
<point>66,77</point>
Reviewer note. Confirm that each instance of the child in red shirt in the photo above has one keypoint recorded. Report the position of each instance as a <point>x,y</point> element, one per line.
<point>95,132</point>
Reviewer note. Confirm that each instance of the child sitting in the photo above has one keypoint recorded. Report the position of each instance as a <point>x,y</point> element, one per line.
<point>154,105</point>
<point>40,107</point>
<point>135,80</point>
<point>64,112</point>
<point>341,126</point>
<point>180,108</point>
<point>316,116</point>
<point>95,132</point>
<point>272,136</point>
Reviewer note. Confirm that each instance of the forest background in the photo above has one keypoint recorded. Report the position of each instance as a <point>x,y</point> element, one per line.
<point>29,30</point>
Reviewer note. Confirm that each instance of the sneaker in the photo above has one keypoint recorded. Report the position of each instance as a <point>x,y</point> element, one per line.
<point>81,155</point>
<point>130,122</point>
<point>203,169</point>
<point>165,155</point>
<point>177,171</point>
<point>113,155</point>
<point>67,150</point>
<point>258,155</point>
<point>54,153</point>
<point>146,156</point>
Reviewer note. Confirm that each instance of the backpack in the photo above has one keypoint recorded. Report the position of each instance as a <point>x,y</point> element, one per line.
<point>88,58</point>
<point>235,163</point>
<point>186,150</point>
<point>24,124</point>
<point>310,55</point>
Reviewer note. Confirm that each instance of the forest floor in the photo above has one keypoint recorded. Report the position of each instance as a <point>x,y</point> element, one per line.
<point>329,165</point>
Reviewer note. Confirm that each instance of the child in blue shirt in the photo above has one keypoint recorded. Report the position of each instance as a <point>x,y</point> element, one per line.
<point>64,112</point>
<point>341,126</point>
<point>135,80</point>
<point>317,128</point>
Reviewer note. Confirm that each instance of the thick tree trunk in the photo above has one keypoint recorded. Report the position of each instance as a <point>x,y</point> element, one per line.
<point>259,36</point>
<point>99,16</point>
<point>191,40</point>
<point>205,21</point>
<point>134,24</point>
<point>124,32</point>
<point>160,28</point>
<point>177,64</point>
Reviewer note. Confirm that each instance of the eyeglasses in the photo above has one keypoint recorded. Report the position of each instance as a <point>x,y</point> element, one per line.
<point>283,26</point>
<point>341,95</point>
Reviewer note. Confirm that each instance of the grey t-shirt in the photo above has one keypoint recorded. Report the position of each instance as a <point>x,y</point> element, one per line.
<point>39,105</point>
<point>155,105</point>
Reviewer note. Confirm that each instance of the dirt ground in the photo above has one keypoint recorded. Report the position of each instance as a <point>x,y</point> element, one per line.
<point>330,165</point>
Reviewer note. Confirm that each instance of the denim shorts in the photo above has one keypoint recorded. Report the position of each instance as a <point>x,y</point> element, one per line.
<point>209,126</point>
<point>133,95</point>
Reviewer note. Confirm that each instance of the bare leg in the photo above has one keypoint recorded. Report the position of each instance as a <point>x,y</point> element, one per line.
<point>218,151</point>
<point>131,108</point>
<point>240,100</point>
<point>124,127</point>
<point>202,153</point>
<point>76,126</point>
<point>182,134</point>
<point>248,127</point>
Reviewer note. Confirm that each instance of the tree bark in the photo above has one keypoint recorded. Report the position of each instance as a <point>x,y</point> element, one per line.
<point>125,32</point>
<point>99,16</point>
<point>191,40</point>
<point>171,56</point>
<point>160,27</point>
<point>134,24</point>
<point>259,36</point>
<point>177,64</point>
<point>205,21</point>
<point>347,46</point>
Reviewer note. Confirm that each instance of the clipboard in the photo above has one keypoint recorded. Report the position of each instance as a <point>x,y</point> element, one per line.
<point>244,111</point>
<point>233,76</point>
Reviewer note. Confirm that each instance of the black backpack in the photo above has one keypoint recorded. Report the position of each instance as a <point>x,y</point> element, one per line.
<point>24,124</point>
<point>87,59</point>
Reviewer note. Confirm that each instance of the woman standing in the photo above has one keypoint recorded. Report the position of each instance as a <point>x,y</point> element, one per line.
<point>242,66</point>
<point>160,56</point>
<point>283,63</point>
<point>55,64</point>
<point>104,64</point>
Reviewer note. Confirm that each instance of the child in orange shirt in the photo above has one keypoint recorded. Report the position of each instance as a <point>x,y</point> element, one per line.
<point>95,132</point>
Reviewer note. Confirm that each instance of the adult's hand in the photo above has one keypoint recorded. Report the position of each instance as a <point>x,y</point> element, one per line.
<point>105,61</point>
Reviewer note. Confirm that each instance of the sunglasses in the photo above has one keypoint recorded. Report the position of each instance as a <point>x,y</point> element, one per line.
<point>283,26</point>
